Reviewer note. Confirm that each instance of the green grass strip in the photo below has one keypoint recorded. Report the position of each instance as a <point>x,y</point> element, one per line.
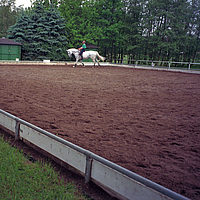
<point>21,179</point>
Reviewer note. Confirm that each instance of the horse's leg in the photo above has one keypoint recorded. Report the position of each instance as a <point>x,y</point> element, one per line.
<point>76,63</point>
<point>82,63</point>
<point>97,61</point>
<point>93,59</point>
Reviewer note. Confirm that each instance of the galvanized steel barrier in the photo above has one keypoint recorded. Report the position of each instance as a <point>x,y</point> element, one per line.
<point>113,178</point>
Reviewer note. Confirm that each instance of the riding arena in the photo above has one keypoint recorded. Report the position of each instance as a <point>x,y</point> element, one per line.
<point>147,121</point>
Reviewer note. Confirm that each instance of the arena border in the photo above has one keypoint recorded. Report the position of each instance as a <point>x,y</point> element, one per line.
<point>133,66</point>
<point>47,62</point>
<point>114,179</point>
<point>103,64</point>
<point>154,68</point>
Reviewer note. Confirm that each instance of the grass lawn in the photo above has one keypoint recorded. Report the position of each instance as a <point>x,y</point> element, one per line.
<point>22,179</point>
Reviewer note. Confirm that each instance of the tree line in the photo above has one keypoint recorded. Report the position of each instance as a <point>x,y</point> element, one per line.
<point>132,29</point>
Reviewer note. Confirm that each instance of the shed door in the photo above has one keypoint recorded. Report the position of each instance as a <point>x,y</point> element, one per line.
<point>14,51</point>
<point>9,52</point>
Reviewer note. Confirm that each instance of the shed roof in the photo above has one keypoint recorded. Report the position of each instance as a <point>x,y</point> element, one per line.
<point>9,42</point>
<point>90,46</point>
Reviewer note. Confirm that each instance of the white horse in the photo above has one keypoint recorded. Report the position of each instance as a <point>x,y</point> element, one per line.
<point>86,55</point>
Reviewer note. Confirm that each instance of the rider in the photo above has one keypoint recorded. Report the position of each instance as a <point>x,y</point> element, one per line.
<point>82,49</point>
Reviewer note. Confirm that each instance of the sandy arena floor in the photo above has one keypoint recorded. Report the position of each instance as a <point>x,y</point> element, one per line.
<point>144,120</point>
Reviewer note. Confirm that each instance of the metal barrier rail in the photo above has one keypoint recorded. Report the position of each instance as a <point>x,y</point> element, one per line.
<point>113,178</point>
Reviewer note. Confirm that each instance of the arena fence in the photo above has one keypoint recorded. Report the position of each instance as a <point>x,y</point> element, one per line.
<point>146,64</point>
<point>114,179</point>
<point>153,63</point>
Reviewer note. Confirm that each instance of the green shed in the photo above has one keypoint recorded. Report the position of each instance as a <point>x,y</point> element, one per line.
<point>90,47</point>
<point>9,50</point>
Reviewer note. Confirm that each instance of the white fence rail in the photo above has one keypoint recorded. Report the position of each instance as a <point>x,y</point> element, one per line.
<point>116,62</point>
<point>153,63</point>
<point>113,178</point>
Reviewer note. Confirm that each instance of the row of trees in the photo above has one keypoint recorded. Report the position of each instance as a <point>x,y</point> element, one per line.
<point>141,29</point>
<point>137,29</point>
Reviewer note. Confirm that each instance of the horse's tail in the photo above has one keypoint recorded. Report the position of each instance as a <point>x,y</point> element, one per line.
<point>100,57</point>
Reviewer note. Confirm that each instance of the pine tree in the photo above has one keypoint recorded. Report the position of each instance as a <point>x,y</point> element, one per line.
<point>42,33</point>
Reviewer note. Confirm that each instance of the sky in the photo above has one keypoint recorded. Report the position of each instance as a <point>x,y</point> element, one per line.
<point>26,3</point>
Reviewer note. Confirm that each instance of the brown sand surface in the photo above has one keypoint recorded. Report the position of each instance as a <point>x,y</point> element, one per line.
<point>144,120</point>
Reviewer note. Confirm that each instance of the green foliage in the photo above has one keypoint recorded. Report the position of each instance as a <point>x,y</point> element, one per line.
<point>140,29</point>
<point>8,13</point>
<point>72,12</point>
<point>21,179</point>
<point>156,29</point>
<point>38,30</point>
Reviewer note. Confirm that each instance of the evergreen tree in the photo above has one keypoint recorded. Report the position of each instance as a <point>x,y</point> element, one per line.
<point>45,3</point>
<point>42,33</point>
<point>20,32</point>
